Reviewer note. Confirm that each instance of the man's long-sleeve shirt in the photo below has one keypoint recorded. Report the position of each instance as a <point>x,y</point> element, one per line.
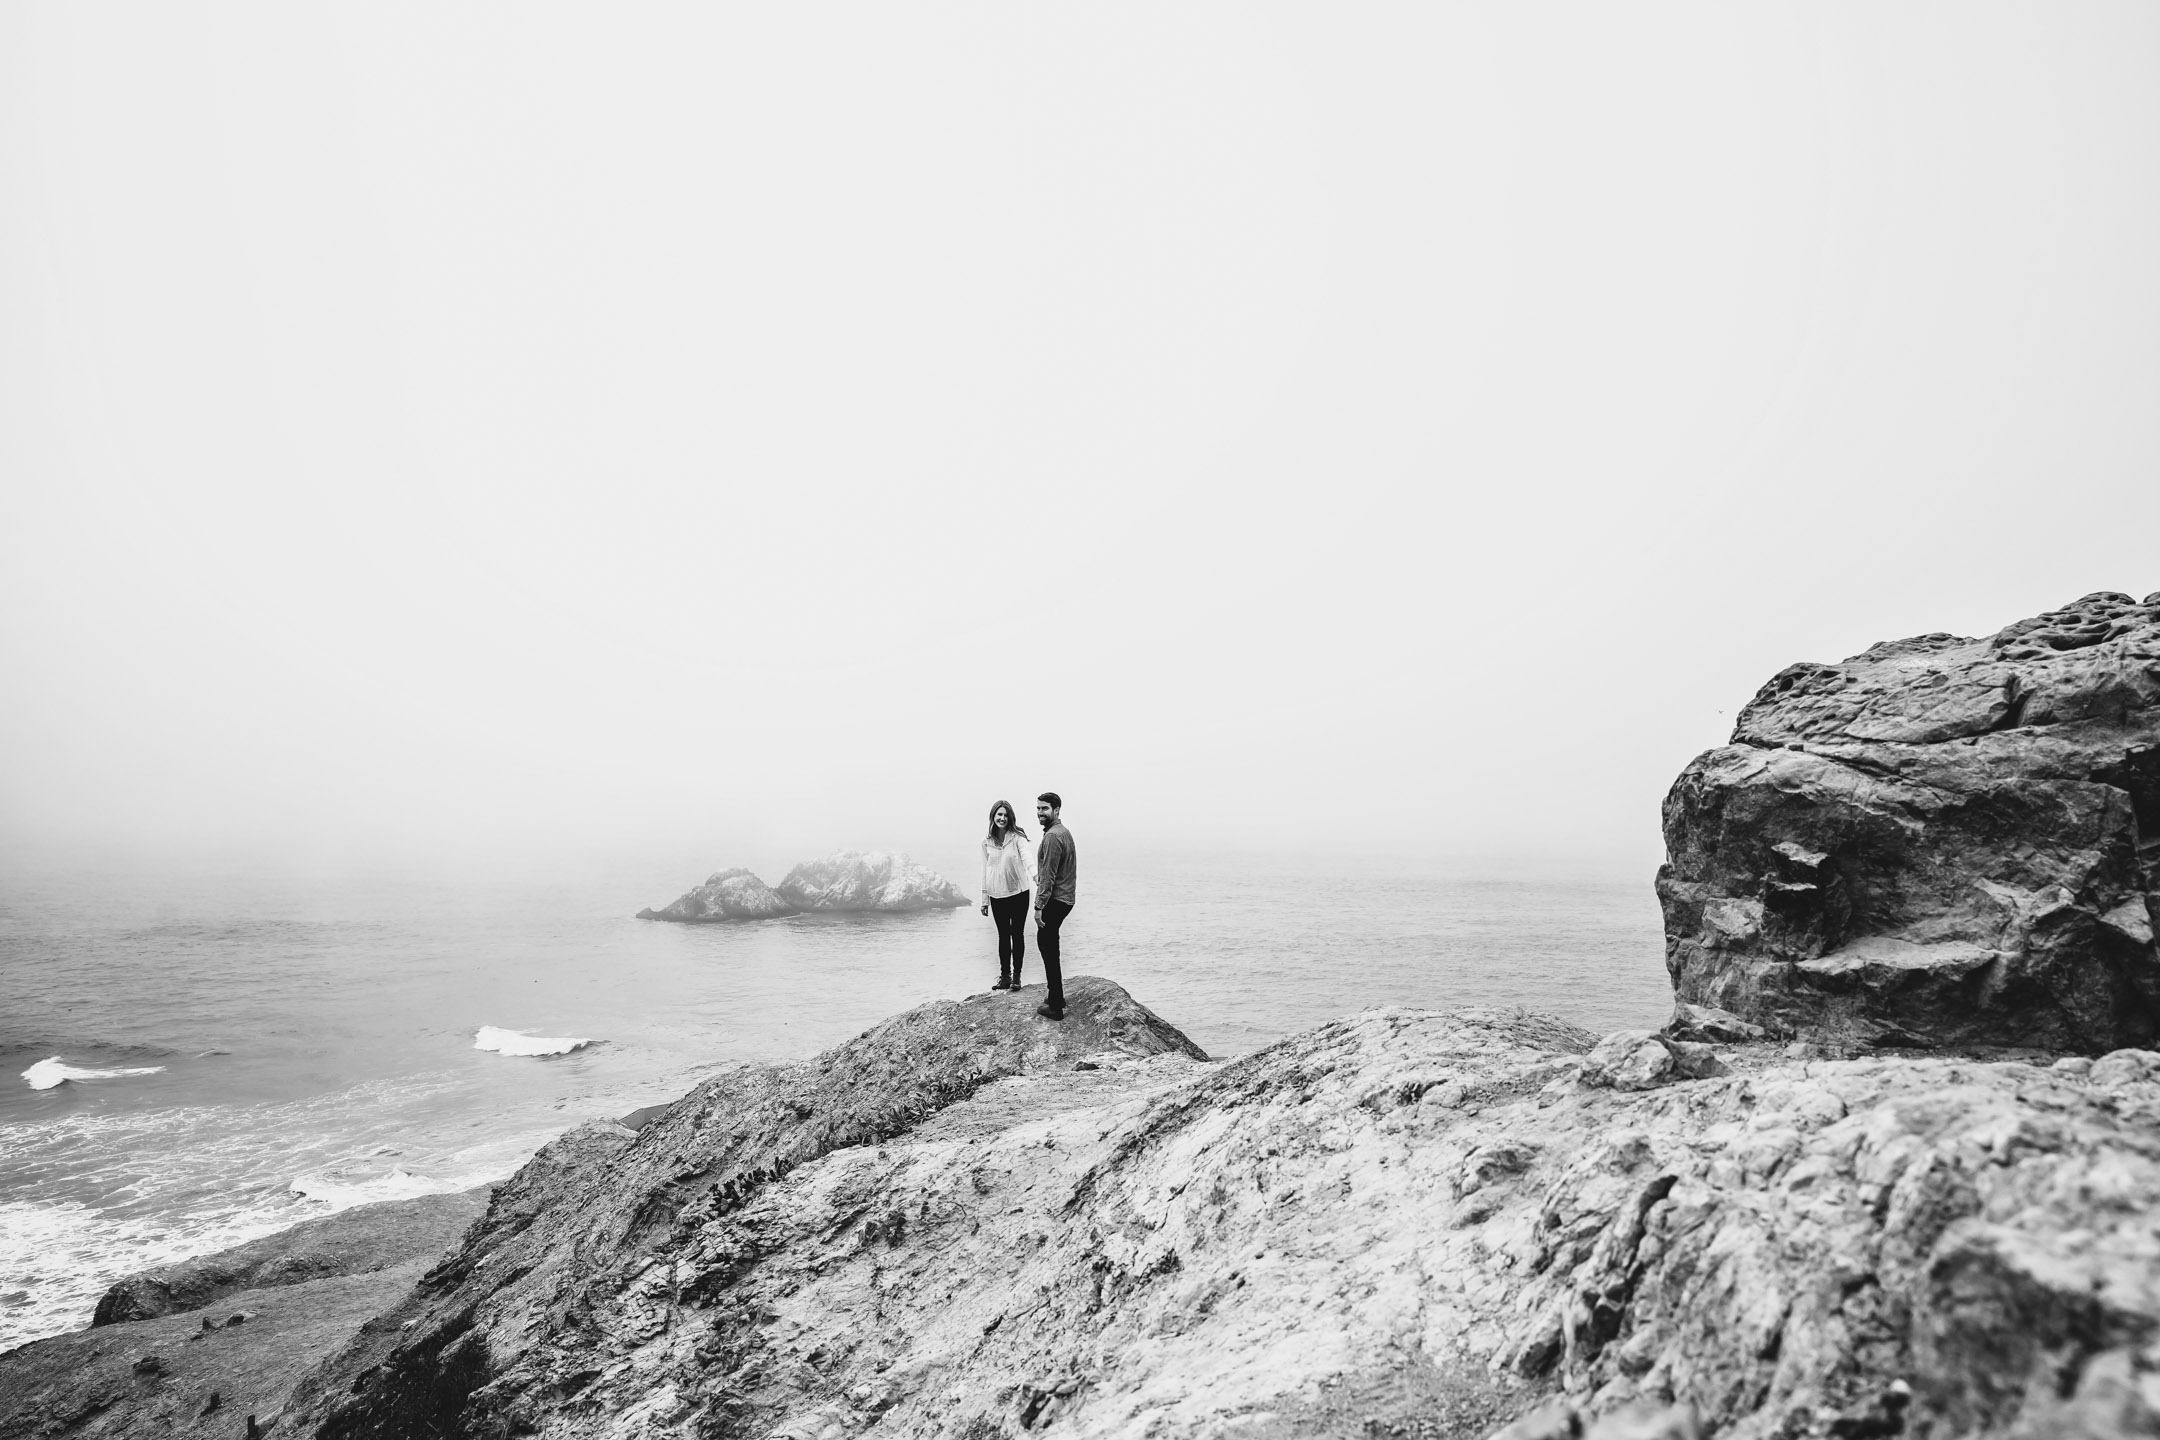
<point>1057,867</point>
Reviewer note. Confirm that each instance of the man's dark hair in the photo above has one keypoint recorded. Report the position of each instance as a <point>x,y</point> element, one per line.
<point>1050,798</point>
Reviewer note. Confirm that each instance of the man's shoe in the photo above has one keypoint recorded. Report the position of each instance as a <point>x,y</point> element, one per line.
<point>1051,1012</point>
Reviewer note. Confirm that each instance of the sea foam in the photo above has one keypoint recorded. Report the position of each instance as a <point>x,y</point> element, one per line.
<point>57,1258</point>
<point>511,1042</point>
<point>49,1073</point>
<point>400,1184</point>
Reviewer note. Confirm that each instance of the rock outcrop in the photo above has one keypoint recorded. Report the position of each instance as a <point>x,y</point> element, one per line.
<point>1403,1223</point>
<point>868,880</point>
<point>350,1242</point>
<point>1941,841</point>
<point>197,1375</point>
<point>973,1222</point>
<point>518,1311</point>
<point>848,880</point>
<point>726,895</point>
<point>195,1349</point>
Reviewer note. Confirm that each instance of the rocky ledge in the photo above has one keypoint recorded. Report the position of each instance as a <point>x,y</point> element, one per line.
<point>358,1241</point>
<point>195,1349</point>
<point>973,1222</point>
<point>848,881</point>
<point>1941,841</point>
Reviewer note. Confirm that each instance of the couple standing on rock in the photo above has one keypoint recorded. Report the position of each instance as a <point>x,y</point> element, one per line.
<point>1005,887</point>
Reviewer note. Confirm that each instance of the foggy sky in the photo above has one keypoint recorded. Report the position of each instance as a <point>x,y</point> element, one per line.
<point>733,432</point>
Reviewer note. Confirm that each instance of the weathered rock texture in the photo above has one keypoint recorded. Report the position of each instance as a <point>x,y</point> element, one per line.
<point>515,1313</point>
<point>868,880</point>
<point>1400,1223</point>
<point>727,895</point>
<point>1941,841</point>
<point>971,1222</point>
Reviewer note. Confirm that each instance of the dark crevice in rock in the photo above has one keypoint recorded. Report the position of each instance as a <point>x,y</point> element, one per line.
<point>2013,717</point>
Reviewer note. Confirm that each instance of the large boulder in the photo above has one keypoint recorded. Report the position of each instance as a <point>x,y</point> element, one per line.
<point>727,895</point>
<point>868,880</point>
<point>1941,841</point>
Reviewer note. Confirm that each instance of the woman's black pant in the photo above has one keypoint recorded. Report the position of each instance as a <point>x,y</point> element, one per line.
<point>1010,912</point>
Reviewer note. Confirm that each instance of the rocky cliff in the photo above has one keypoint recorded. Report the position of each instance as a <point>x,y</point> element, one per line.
<point>1405,1223</point>
<point>973,1222</point>
<point>1939,841</point>
<point>602,1218</point>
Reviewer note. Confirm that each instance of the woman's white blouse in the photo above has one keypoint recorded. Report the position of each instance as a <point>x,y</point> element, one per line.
<point>1005,868</point>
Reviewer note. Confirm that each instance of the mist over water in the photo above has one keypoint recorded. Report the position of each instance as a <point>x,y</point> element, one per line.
<point>313,1038</point>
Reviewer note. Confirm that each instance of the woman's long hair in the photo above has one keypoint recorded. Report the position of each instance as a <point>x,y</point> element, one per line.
<point>1012,815</point>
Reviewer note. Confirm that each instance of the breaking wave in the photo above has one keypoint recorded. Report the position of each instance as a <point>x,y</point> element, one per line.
<point>511,1042</point>
<point>57,1258</point>
<point>49,1073</point>
<point>399,1184</point>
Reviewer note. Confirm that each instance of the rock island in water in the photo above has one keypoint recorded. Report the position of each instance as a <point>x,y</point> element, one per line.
<point>850,881</point>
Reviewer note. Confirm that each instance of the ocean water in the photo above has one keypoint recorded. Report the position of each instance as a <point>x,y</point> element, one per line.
<point>242,1051</point>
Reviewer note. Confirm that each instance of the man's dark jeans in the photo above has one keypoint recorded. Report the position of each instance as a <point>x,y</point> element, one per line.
<point>1010,912</point>
<point>1046,940</point>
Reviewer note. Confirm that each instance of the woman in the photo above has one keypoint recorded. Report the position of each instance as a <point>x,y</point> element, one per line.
<point>1005,886</point>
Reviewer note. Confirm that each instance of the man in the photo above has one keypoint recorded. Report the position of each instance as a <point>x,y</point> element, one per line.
<point>1057,873</point>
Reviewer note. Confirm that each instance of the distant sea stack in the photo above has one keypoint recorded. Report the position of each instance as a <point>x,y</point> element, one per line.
<point>1941,841</point>
<point>869,880</point>
<point>726,895</point>
<point>848,880</point>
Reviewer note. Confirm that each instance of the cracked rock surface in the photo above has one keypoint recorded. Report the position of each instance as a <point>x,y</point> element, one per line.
<point>1401,1223</point>
<point>1942,841</point>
